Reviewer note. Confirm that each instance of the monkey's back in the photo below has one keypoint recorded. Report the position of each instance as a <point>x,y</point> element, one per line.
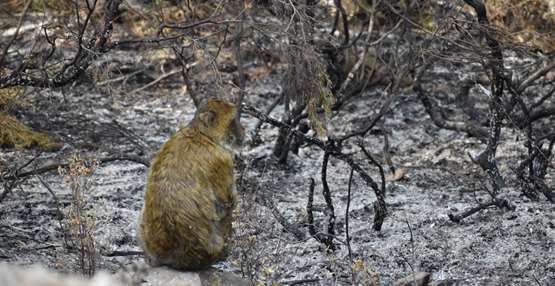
<point>186,221</point>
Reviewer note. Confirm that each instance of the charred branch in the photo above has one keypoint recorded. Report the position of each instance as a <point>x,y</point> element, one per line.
<point>16,34</point>
<point>345,21</point>
<point>271,107</point>
<point>437,117</point>
<point>532,182</point>
<point>287,226</point>
<point>347,236</point>
<point>330,212</point>
<point>486,159</point>
<point>310,211</point>
<point>10,180</point>
<point>327,236</point>
<point>500,203</point>
<point>75,68</point>
<point>240,65</point>
<point>380,208</point>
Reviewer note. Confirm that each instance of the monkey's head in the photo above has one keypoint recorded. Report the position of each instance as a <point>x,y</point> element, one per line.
<point>217,119</point>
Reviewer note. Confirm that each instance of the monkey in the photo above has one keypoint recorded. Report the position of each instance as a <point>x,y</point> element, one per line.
<point>186,220</point>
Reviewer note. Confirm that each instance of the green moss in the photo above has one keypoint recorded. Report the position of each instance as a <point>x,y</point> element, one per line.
<point>15,134</point>
<point>10,96</point>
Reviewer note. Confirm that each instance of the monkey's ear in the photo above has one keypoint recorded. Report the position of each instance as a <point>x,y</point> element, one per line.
<point>209,118</point>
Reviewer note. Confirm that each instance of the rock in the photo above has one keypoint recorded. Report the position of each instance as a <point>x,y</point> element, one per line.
<point>415,279</point>
<point>446,282</point>
<point>12,275</point>
<point>163,276</point>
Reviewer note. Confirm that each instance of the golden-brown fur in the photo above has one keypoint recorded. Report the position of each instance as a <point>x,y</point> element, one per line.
<point>186,219</point>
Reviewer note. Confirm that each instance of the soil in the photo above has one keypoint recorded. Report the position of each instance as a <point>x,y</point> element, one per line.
<point>492,247</point>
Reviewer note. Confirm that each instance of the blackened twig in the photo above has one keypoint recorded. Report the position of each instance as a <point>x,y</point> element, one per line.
<point>380,207</point>
<point>535,75</point>
<point>360,61</point>
<point>289,227</point>
<point>191,25</point>
<point>301,281</point>
<point>269,110</point>
<point>309,210</point>
<point>345,20</point>
<point>330,212</point>
<point>16,33</point>
<point>377,117</point>
<point>432,109</point>
<point>543,98</point>
<point>347,238</point>
<point>378,165</point>
<point>79,64</point>
<point>122,253</point>
<point>11,180</point>
<point>59,213</point>
<point>239,59</point>
<point>495,202</point>
<point>327,237</point>
<point>487,159</point>
<point>9,185</point>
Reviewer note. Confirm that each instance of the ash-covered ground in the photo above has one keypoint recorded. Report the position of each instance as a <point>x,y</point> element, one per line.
<point>492,247</point>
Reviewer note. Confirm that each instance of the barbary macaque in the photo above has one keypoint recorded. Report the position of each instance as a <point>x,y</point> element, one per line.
<point>187,214</point>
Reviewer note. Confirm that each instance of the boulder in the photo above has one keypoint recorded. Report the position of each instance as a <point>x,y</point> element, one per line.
<point>14,275</point>
<point>163,276</point>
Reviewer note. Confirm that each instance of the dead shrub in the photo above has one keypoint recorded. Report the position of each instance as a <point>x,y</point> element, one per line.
<point>80,222</point>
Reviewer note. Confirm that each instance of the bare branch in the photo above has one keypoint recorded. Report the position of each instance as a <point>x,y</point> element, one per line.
<point>16,34</point>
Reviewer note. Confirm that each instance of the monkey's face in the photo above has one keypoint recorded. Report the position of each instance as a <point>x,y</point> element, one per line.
<point>217,120</point>
<point>236,133</point>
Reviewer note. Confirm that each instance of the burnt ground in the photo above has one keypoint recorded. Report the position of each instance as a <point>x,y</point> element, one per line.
<point>493,247</point>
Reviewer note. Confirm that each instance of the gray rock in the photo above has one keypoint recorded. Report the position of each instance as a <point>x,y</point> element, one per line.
<point>163,276</point>
<point>415,279</point>
<point>446,282</point>
<point>13,275</point>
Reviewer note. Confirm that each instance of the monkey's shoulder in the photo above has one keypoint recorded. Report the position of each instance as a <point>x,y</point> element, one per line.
<point>190,151</point>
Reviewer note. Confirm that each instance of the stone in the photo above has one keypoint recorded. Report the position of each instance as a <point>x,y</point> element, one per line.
<point>13,275</point>
<point>164,276</point>
<point>415,279</point>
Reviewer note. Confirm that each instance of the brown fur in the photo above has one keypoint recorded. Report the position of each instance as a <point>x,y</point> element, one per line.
<point>186,219</point>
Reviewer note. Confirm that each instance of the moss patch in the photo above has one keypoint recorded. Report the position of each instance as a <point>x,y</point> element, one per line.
<point>14,134</point>
<point>10,97</point>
